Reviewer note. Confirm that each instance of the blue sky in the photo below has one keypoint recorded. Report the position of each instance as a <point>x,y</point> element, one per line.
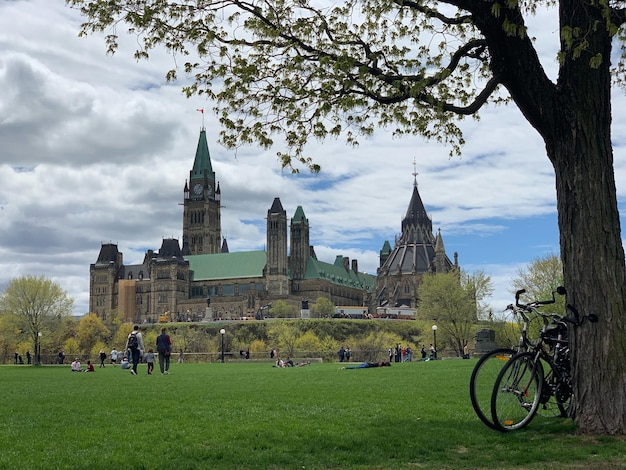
<point>95,149</point>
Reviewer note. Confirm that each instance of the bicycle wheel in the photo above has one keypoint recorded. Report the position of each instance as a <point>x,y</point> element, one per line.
<point>556,395</point>
<point>483,379</point>
<point>517,392</point>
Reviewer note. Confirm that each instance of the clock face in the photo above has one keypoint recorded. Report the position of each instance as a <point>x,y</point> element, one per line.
<point>197,189</point>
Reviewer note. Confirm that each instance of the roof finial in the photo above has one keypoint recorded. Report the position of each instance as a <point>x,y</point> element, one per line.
<point>415,173</point>
<point>201,110</point>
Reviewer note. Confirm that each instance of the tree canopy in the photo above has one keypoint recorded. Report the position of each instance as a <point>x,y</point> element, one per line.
<point>35,302</point>
<point>453,300</point>
<point>313,69</point>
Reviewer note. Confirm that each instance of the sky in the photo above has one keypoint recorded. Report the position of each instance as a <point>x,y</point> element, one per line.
<point>96,149</point>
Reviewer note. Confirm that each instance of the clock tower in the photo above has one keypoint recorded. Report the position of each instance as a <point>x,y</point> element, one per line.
<point>201,213</point>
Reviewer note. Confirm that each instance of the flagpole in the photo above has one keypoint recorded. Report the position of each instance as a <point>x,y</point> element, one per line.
<point>201,110</point>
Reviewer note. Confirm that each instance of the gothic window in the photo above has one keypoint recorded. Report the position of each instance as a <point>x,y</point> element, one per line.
<point>130,275</point>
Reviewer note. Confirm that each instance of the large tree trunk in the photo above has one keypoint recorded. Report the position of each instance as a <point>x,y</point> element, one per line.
<point>594,273</point>
<point>579,145</point>
<point>574,119</point>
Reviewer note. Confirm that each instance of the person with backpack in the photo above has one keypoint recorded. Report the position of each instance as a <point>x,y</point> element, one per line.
<point>134,344</point>
<point>164,348</point>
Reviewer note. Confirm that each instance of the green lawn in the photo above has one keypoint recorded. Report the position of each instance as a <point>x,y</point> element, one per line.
<point>253,416</point>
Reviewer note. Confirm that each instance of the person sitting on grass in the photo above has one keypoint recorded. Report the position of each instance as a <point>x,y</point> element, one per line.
<point>125,363</point>
<point>76,366</point>
<point>90,367</point>
<point>367,365</point>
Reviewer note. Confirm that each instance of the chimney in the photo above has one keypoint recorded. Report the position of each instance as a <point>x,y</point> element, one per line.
<point>355,266</point>
<point>346,263</point>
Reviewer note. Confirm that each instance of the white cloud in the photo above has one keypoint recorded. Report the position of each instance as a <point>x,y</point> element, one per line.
<point>96,149</point>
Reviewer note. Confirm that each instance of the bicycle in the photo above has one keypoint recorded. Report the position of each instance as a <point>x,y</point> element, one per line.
<point>488,367</point>
<point>522,387</point>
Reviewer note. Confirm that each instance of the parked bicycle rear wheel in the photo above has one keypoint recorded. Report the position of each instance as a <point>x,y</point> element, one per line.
<point>484,378</point>
<point>517,392</point>
<point>556,400</point>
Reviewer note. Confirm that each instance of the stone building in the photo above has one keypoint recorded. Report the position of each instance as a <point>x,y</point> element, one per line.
<point>416,252</point>
<point>202,280</point>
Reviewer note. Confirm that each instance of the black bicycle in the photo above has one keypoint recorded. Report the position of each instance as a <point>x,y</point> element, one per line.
<point>489,366</point>
<point>537,379</point>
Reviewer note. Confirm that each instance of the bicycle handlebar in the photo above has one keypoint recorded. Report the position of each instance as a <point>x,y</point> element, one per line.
<point>532,306</point>
<point>559,290</point>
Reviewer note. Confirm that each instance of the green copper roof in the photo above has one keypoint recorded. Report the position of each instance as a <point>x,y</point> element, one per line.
<point>386,248</point>
<point>227,265</point>
<point>299,216</point>
<point>251,263</point>
<point>203,158</point>
<point>337,274</point>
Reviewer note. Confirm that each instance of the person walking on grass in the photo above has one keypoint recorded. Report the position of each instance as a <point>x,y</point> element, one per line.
<point>114,357</point>
<point>164,348</point>
<point>134,344</point>
<point>150,360</point>
<point>103,357</point>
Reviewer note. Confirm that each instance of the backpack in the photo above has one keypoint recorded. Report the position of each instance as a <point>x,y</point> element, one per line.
<point>133,342</point>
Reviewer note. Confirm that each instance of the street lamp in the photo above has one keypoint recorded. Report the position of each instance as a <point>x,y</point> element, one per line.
<point>38,351</point>
<point>222,332</point>
<point>435,340</point>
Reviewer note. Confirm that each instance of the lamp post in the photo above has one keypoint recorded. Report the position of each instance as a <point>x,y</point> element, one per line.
<point>435,340</point>
<point>38,351</point>
<point>222,332</point>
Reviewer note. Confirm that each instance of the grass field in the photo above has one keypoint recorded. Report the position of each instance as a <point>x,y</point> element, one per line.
<point>253,416</point>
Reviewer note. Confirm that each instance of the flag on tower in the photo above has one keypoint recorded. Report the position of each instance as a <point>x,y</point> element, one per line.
<point>201,110</point>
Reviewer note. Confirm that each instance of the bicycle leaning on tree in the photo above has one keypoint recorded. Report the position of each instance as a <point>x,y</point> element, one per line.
<point>488,367</point>
<point>535,378</point>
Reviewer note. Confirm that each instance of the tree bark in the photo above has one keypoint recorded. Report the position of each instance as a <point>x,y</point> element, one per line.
<point>579,146</point>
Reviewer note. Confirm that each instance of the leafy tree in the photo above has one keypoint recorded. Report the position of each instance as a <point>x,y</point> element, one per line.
<point>90,331</point>
<point>284,336</point>
<point>36,302</point>
<point>63,330</point>
<point>119,339</point>
<point>322,307</point>
<point>71,347</point>
<point>540,278</point>
<point>258,347</point>
<point>9,333</point>
<point>281,309</point>
<point>308,342</point>
<point>303,70</point>
<point>373,346</point>
<point>453,300</point>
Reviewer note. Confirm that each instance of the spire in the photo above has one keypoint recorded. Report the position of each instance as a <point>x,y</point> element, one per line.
<point>277,207</point>
<point>224,246</point>
<point>202,163</point>
<point>416,225</point>
<point>440,261</point>
<point>298,216</point>
<point>439,248</point>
